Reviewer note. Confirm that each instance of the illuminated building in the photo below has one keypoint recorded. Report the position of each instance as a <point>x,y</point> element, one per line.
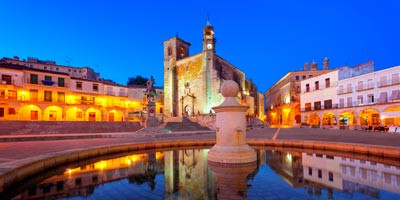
<point>192,83</point>
<point>357,96</point>
<point>283,98</point>
<point>44,91</point>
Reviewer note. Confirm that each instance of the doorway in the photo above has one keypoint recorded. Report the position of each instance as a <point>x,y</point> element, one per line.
<point>34,115</point>
<point>92,116</point>
<point>111,117</point>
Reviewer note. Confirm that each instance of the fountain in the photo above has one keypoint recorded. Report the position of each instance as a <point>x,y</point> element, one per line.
<point>231,146</point>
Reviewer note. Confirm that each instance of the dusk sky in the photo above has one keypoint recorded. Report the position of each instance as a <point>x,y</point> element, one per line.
<point>265,39</point>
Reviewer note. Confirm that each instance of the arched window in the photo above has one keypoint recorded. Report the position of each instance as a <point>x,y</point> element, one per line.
<point>170,51</point>
<point>182,51</point>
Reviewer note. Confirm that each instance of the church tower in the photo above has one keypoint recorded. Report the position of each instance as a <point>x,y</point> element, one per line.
<point>208,37</point>
<point>174,50</point>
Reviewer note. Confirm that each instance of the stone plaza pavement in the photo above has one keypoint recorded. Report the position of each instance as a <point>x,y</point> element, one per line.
<point>22,147</point>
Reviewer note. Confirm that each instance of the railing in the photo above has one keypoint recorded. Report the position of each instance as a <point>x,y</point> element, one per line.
<point>345,91</point>
<point>46,83</point>
<point>13,82</point>
<point>320,88</point>
<point>389,82</point>
<point>364,87</point>
<point>322,107</point>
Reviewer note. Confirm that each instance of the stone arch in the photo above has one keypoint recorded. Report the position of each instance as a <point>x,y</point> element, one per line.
<point>93,114</point>
<point>115,116</point>
<point>391,116</point>
<point>53,113</point>
<point>329,119</point>
<point>30,112</point>
<point>347,118</point>
<point>313,119</point>
<point>369,117</point>
<point>75,114</point>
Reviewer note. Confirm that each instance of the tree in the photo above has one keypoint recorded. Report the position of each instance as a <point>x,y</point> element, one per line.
<point>138,80</point>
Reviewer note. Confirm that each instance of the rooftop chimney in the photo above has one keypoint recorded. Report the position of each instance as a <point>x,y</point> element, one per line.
<point>313,65</point>
<point>326,61</point>
<point>306,66</point>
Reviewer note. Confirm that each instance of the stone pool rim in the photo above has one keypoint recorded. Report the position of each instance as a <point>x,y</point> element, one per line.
<point>12,172</point>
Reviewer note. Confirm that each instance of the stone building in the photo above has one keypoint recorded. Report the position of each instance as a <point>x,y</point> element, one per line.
<point>37,90</point>
<point>192,83</point>
<point>283,98</point>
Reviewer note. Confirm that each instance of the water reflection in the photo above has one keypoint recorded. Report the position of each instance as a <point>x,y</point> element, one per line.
<point>185,174</point>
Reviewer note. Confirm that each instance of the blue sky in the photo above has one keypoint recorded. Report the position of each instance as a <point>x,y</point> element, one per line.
<point>265,39</point>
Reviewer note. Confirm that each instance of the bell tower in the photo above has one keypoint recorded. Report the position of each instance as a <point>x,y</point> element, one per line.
<point>208,37</point>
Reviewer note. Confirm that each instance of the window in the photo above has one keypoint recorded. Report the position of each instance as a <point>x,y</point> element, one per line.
<point>304,77</point>
<point>307,87</point>
<point>317,105</point>
<point>2,93</point>
<point>327,83</point>
<point>61,82</point>
<point>395,78</point>
<point>360,85</point>
<point>69,70</point>
<point>383,81</point>
<point>79,114</point>
<point>371,98</point>
<point>360,100</point>
<point>169,51</point>
<point>331,176</point>
<point>316,85</point>
<point>341,89</point>
<point>80,71</point>
<point>79,85</point>
<point>182,51</point>
<point>1,112</point>
<point>297,78</point>
<point>61,97</point>
<point>319,173</point>
<point>187,68</point>
<point>310,171</point>
<point>349,88</point>
<point>6,79</point>
<point>47,78</point>
<point>47,96</point>
<point>11,111</point>
<point>308,106</point>
<point>57,69</point>
<point>328,104</point>
<point>34,79</point>
<point>309,76</point>
<point>95,87</point>
<point>12,94</point>
<point>45,67</point>
<point>74,70</point>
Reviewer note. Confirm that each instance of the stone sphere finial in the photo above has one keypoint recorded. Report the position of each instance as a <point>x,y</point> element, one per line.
<point>229,88</point>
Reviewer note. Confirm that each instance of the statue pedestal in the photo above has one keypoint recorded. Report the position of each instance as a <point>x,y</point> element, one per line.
<point>231,146</point>
<point>151,120</point>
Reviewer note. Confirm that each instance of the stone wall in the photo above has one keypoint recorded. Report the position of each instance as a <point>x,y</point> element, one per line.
<point>204,120</point>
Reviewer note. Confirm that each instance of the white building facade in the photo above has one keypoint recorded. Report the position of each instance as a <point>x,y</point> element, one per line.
<point>363,99</point>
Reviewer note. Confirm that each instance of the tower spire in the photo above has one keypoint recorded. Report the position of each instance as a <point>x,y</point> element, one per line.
<point>208,20</point>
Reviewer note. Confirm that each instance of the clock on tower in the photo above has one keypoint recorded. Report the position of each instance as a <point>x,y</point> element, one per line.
<point>208,39</point>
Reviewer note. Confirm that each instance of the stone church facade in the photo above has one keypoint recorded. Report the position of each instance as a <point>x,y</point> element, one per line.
<point>192,83</point>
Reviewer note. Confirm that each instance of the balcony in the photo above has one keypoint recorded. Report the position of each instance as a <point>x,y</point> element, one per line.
<point>390,82</point>
<point>322,107</point>
<point>321,88</point>
<point>345,91</point>
<point>47,83</point>
<point>364,87</point>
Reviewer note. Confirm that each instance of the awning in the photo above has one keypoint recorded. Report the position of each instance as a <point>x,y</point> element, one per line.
<point>394,114</point>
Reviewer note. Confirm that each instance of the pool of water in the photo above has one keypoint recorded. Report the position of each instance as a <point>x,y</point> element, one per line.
<point>186,174</point>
